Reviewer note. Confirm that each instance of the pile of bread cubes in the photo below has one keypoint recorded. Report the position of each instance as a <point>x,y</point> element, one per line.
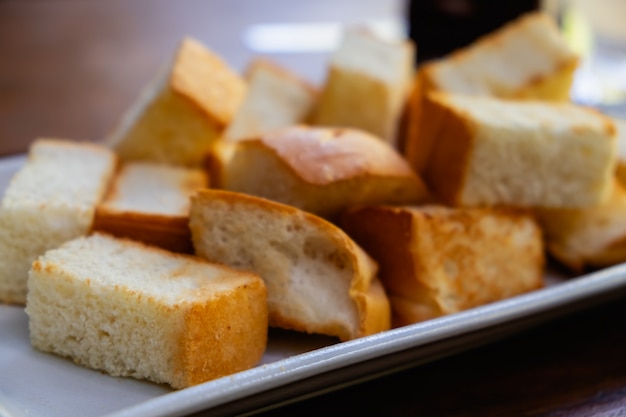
<point>223,204</point>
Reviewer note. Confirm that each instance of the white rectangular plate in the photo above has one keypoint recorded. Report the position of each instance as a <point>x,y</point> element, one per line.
<point>37,384</point>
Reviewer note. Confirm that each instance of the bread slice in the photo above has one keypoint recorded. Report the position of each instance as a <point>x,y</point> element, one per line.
<point>526,58</point>
<point>137,311</point>
<point>436,260</point>
<point>367,85</point>
<point>319,170</point>
<point>183,111</point>
<point>593,237</point>
<point>318,280</point>
<point>49,201</point>
<point>150,202</point>
<point>487,151</point>
<point>276,98</point>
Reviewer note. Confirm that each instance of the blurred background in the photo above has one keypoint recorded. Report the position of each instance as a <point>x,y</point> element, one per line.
<point>70,68</point>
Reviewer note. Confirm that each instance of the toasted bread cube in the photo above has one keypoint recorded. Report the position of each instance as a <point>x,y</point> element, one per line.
<point>592,237</point>
<point>318,280</point>
<point>275,98</point>
<point>319,170</point>
<point>150,203</point>
<point>486,152</point>
<point>367,84</point>
<point>526,58</point>
<point>137,311</point>
<point>51,199</point>
<point>183,111</point>
<point>436,260</point>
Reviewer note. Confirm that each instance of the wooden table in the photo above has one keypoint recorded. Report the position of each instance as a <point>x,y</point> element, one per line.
<point>69,69</point>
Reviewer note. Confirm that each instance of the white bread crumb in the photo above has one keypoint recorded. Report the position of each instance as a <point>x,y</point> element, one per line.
<point>51,200</point>
<point>132,310</point>
<point>318,280</point>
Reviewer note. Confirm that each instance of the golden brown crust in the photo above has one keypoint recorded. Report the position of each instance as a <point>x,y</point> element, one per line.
<point>612,255</point>
<point>194,65</point>
<point>406,116</point>
<point>329,199</point>
<point>450,150</point>
<point>374,309</point>
<point>392,250</point>
<point>267,205</point>
<point>335,154</point>
<point>410,127</point>
<point>460,235</point>
<point>167,232</point>
<point>426,77</point>
<point>620,134</point>
<point>214,163</point>
<point>317,170</point>
<point>436,260</point>
<point>237,321</point>
<point>620,172</point>
<point>426,121</point>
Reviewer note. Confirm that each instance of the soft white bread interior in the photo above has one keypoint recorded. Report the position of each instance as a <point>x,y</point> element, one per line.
<point>593,237</point>
<point>318,280</point>
<point>366,86</point>
<point>526,58</point>
<point>183,111</point>
<point>436,260</point>
<point>130,309</point>
<point>319,170</point>
<point>275,98</point>
<point>487,151</point>
<point>150,202</point>
<point>49,201</point>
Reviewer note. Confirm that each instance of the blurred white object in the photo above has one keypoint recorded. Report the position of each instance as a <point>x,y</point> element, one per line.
<point>311,36</point>
<point>597,29</point>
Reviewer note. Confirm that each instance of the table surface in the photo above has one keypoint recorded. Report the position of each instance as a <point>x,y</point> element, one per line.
<point>70,68</point>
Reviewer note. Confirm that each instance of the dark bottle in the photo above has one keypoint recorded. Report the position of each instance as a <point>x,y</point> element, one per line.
<point>440,26</point>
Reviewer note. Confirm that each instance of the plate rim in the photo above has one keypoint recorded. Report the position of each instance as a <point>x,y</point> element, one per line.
<point>265,377</point>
